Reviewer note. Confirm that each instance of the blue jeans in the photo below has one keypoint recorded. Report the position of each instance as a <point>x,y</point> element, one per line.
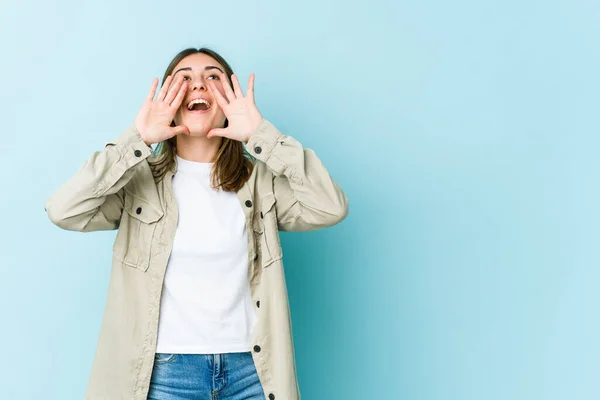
<point>229,376</point>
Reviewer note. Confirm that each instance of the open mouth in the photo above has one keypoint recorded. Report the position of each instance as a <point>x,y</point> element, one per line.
<point>198,105</point>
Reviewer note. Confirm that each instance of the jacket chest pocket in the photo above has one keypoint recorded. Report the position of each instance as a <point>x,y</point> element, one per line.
<point>136,232</point>
<point>266,232</point>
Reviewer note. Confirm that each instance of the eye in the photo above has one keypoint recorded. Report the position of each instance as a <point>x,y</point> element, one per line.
<point>213,75</point>
<point>186,78</point>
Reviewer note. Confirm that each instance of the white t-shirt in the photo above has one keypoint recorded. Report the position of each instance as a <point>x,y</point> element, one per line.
<point>206,307</point>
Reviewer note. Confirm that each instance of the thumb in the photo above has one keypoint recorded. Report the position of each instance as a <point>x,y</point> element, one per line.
<point>180,129</point>
<point>217,132</point>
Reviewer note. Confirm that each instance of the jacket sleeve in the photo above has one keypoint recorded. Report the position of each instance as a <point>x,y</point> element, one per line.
<point>93,198</point>
<point>306,196</point>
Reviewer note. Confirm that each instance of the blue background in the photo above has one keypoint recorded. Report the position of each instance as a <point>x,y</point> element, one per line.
<point>464,133</point>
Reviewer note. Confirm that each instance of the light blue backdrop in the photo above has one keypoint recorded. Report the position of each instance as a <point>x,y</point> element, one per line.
<point>464,133</point>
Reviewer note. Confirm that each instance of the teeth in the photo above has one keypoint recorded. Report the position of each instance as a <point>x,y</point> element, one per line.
<point>198,101</point>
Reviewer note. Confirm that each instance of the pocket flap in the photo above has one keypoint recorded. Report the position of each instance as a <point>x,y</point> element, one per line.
<point>266,203</point>
<point>141,209</point>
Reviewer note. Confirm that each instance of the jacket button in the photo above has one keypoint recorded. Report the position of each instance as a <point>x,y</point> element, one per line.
<point>138,153</point>
<point>257,150</point>
<point>139,210</point>
<point>248,203</point>
<point>257,349</point>
<point>258,303</point>
<point>255,256</point>
<point>271,396</point>
<point>261,214</point>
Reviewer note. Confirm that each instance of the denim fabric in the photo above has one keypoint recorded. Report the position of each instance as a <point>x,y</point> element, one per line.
<point>229,376</point>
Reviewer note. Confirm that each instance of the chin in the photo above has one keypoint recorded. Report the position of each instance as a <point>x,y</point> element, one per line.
<point>199,127</point>
<point>198,131</point>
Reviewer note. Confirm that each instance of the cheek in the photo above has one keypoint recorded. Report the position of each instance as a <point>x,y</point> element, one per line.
<point>219,86</point>
<point>177,117</point>
<point>221,115</point>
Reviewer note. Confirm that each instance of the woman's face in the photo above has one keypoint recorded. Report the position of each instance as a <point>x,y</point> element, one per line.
<point>197,69</point>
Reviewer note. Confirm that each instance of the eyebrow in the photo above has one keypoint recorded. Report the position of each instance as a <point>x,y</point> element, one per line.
<point>207,68</point>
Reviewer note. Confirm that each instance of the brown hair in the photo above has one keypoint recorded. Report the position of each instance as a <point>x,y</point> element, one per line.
<point>232,165</point>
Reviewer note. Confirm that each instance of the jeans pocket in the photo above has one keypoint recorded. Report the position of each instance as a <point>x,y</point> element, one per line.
<point>164,358</point>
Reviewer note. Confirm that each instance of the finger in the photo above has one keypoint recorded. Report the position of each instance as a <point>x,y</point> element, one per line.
<point>250,93</point>
<point>152,91</point>
<point>220,99</point>
<point>180,129</point>
<point>180,95</point>
<point>174,89</point>
<point>236,86</point>
<point>227,87</point>
<point>164,88</point>
<point>224,132</point>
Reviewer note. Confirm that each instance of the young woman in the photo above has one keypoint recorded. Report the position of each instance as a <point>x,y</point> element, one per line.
<point>197,304</point>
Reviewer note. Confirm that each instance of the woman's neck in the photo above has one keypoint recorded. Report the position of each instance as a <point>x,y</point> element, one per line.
<point>198,148</point>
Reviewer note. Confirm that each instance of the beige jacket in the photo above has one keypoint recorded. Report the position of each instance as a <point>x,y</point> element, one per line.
<point>289,190</point>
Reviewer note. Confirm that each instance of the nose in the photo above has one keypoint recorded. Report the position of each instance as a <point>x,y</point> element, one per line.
<point>198,84</point>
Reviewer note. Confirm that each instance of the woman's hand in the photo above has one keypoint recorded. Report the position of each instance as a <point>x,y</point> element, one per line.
<point>154,118</point>
<point>242,115</point>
